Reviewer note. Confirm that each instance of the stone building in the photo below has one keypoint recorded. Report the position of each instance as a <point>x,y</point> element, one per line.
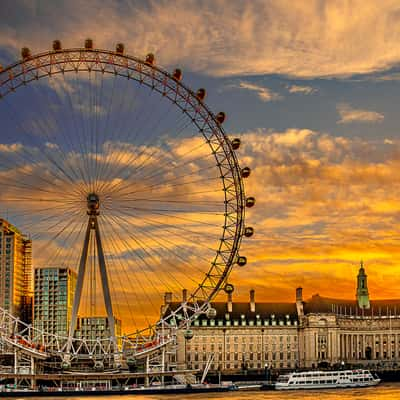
<point>302,334</point>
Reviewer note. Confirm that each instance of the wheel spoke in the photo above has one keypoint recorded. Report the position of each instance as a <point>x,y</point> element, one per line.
<point>119,171</point>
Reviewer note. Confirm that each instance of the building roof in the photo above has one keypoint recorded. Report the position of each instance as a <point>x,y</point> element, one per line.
<point>280,311</point>
<point>319,304</point>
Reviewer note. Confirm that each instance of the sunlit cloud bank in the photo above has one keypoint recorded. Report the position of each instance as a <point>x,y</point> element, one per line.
<point>303,39</point>
<point>323,204</point>
<point>161,227</point>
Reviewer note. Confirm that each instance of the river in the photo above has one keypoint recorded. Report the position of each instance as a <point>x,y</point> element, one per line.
<point>385,391</point>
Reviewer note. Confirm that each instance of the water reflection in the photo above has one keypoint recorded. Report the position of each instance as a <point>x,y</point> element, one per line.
<point>386,391</point>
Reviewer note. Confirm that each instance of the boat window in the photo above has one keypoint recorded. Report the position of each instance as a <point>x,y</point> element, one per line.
<point>283,378</point>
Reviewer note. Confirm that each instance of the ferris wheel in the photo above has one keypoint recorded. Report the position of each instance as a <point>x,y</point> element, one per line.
<point>119,171</point>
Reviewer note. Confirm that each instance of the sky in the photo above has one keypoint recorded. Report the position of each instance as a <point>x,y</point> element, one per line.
<point>310,87</point>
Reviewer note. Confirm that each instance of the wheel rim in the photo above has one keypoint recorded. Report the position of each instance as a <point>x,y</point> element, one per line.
<point>96,62</point>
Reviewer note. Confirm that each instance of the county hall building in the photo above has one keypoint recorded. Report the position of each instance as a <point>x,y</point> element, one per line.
<point>319,331</point>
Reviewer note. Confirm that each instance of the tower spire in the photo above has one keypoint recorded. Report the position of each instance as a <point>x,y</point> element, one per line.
<point>362,294</point>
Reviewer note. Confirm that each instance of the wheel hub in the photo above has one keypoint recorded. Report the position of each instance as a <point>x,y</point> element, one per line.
<point>93,204</point>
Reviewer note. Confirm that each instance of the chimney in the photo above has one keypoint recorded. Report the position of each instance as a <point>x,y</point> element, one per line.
<point>184,295</point>
<point>299,294</point>
<point>167,302</point>
<point>252,301</point>
<point>299,302</point>
<point>229,304</point>
<point>167,298</point>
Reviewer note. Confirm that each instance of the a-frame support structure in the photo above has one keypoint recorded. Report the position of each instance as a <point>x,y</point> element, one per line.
<point>93,204</point>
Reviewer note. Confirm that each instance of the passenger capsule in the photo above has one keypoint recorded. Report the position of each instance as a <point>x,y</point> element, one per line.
<point>131,362</point>
<point>188,334</point>
<point>211,313</point>
<point>89,44</point>
<point>250,201</point>
<point>56,45</point>
<point>177,75</point>
<point>220,117</point>
<point>241,261</point>
<point>150,59</point>
<point>120,48</point>
<point>229,288</point>
<point>246,171</point>
<point>235,143</point>
<point>25,53</point>
<point>65,366</point>
<point>248,231</point>
<point>201,94</point>
<point>98,366</point>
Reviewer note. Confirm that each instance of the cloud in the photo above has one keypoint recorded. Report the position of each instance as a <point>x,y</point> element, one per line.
<point>162,229</point>
<point>323,203</point>
<point>301,89</point>
<point>263,93</point>
<point>306,39</point>
<point>10,148</point>
<point>350,115</point>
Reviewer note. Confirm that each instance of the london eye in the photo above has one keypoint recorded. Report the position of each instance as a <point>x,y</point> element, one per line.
<point>120,171</point>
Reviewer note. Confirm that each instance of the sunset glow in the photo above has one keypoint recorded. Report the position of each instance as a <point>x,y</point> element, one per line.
<point>314,103</point>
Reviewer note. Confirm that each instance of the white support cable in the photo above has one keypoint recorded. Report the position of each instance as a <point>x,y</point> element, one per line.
<point>207,367</point>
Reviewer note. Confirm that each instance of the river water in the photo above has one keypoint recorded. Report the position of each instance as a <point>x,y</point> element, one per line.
<point>385,391</point>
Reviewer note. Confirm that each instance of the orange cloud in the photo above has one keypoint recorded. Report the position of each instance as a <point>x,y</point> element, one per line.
<point>322,206</point>
<point>148,251</point>
<point>303,39</point>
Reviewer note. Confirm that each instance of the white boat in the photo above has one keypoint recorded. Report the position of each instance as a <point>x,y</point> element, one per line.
<point>326,379</point>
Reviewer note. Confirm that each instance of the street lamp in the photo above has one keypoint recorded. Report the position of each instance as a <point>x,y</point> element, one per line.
<point>266,370</point>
